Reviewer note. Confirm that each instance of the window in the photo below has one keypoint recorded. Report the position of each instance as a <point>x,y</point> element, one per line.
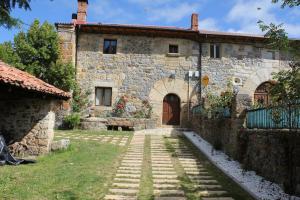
<point>103,96</point>
<point>110,46</point>
<point>270,55</point>
<point>173,48</point>
<point>215,51</point>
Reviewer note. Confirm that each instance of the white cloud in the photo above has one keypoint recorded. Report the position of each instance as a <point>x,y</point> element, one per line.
<point>209,24</point>
<point>171,14</point>
<point>246,14</point>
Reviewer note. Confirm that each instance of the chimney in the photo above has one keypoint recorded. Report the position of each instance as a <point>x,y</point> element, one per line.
<point>194,22</point>
<point>82,11</point>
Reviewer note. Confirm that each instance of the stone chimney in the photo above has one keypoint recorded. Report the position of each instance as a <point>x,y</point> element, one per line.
<point>82,11</point>
<point>194,22</point>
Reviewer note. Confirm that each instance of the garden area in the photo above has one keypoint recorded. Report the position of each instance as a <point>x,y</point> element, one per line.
<point>83,171</point>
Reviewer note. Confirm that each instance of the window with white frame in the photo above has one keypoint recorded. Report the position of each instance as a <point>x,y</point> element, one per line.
<point>103,96</point>
<point>215,51</point>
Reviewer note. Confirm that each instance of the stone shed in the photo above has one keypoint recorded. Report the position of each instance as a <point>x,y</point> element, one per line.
<point>27,111</point>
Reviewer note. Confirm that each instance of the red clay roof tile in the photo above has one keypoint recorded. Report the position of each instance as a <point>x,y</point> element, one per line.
<point>13,76</point>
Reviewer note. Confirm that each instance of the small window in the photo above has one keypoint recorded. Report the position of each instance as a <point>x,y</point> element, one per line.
<point>103,96</point>
<point>173,48</point>
<point>270,55</point>
<point>215,51</point>
<point>110,46</point>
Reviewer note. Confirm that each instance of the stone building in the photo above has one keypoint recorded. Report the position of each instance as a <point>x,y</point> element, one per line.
<point>27,111</point>
<point>164,65</point>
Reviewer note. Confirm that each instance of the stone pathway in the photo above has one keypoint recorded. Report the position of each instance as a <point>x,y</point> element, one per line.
<point>111,139</point>
<point>165,180</point>
<point>127,180</point>
<point>206,186</point>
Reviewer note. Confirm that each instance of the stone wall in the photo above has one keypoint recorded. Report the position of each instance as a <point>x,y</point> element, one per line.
<point>264,151</point>
<point>27,125</point>
<point>142,68</point>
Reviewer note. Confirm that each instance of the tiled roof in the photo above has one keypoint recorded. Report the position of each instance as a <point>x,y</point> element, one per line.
<point>15,77</point>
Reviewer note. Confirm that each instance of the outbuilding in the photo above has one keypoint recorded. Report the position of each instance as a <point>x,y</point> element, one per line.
<point>27,111</point>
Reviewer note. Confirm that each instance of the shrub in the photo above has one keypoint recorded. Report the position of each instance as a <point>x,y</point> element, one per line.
<point>72,121</point>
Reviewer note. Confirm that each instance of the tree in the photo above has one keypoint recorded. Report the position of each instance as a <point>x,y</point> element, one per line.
<point>38,52</point>
<point>286,92</point>
<point>290,3</point>
<point>6,7</point>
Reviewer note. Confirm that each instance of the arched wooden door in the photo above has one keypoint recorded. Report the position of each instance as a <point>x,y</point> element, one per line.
<point>171,110</point>
<point>262,94</point>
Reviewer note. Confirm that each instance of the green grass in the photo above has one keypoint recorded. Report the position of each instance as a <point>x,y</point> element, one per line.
<point>234,190</point>
<point>84,132</point>
<point>84,171</point>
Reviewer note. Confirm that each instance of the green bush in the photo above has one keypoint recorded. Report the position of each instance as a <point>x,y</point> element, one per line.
<point>72,121</point>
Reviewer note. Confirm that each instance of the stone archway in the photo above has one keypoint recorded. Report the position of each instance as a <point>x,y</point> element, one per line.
<point>167,86</point>
<point>245,96</point>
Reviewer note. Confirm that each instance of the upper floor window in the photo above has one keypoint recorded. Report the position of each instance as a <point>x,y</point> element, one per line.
<point>103,96</point>
<point>215,51</point>
<point>173,48</point>
<point>110,46</point>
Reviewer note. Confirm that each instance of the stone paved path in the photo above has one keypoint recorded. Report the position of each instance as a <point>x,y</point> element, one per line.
<point>111,139</point>
<point>206,186</point>
<point>127,180</point>
<point>165,180</point>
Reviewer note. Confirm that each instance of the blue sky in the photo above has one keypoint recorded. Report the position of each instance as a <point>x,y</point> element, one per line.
<point>220,15</point>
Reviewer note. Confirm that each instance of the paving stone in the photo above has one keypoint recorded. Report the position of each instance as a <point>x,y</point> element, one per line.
<point>211,193</point>
<point>168,193</point>
<point>164,172</point>
<point>217,198</point>
<point>169,198</point>
<point>164,176</point>
<point>168,181</point>
<point>124,191</point>
<point>208,186</point>
<point>126,185</point>
<point>119,197</point>
<point>166,186</point>
<point>199,177</point>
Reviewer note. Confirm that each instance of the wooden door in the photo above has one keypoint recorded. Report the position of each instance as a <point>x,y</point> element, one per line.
<point>262,94</point>
<point>171,110</point>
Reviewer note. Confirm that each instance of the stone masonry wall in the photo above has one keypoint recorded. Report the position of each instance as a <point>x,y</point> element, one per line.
<point>140,63</point>
<point>27,125</point>
<point>264,151</point>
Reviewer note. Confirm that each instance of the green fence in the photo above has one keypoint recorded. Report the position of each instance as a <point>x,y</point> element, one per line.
<point>274,118</point>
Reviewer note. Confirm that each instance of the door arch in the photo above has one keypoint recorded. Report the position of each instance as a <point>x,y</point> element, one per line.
<point>262,94</point>
<point>171,110</point>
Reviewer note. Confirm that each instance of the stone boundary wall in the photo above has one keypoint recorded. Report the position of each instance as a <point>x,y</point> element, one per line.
<point>273,154</point>
<point>27,125</point>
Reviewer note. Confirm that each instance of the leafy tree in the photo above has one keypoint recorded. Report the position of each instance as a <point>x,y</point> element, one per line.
<point>38,53</point>
<point>290,3</point>
<point>286,91</point>
<point>6,7</point>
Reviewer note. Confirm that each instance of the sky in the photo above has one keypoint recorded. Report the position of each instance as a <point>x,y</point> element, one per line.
<point>217,15</point>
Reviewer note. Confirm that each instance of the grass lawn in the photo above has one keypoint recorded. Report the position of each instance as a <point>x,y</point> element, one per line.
<point>84,171</point>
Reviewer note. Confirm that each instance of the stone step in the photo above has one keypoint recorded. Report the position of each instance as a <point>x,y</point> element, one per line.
<point>206,181</point>
<point>162,168</point>
<point>128,175</point>
<point>169,198</point>
<point>166,181</point>
<point>199,177</point>
<point>166,186</point>
<point>164,176</point>
<point>217,198</point>
<point>161,172</point>
<point>127,180</point>
<point>119,197</point>
<point>120,171</point>
<point>202,187</point>
<point>168,192</point>
<point>196,173</point>
<point>210,193</point>
<point>130,192</point>
<point>126,185</point>
<point>130,168</point>
<point>162,165</point>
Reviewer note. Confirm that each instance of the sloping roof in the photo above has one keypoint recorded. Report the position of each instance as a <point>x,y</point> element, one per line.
<point>144,28</point>
<point>20,79</point>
